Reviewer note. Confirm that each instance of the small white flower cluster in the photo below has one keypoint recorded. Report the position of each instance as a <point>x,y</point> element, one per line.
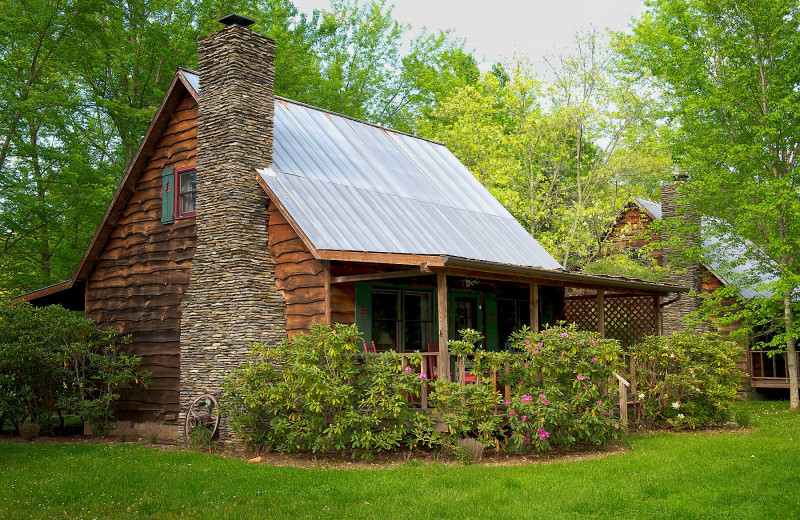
<point>676,405</point>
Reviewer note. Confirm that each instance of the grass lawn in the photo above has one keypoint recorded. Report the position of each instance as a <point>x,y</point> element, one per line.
<point>721,475</point>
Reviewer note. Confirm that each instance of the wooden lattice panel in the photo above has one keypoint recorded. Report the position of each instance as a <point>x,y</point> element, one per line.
<point>627,318</point>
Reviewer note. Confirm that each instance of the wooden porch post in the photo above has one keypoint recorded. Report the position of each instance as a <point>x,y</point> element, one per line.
<point>658,299</point>
<point>443,361</point>
<point>327,287</point>
<point>601,313</point>
<point>534,302</point>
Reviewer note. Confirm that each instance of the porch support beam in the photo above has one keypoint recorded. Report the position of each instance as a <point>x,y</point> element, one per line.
<point>366,277</point>
<point>601,313</point>
<point>443,361</point>
<point>534,302</point>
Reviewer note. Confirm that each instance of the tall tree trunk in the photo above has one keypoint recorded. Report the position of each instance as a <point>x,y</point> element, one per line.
<point>791,354</point>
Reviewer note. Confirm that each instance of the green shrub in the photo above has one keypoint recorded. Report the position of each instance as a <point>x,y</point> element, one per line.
<point>54,361</point>
<point>686,380</point>
<point>560,389</point>
<point>318,391</point>
<point>200,438</point>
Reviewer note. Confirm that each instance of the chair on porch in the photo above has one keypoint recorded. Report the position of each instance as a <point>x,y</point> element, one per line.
<point>370,349</point>
<point>432,366</point>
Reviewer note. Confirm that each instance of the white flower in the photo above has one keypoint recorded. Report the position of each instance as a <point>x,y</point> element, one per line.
<point>672,355</point>
<point>680,416</point>
<point>641,396</point>
<point>676,405</point>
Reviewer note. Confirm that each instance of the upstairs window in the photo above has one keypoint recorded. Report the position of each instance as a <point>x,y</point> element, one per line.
<point>186,192</point>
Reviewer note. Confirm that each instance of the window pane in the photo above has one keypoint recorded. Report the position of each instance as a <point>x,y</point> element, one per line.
<point>417,335</point>
<point>188,181</point>
<point>385,304</point>
<point>418,305</point>
<point>384,334</point>
<point>188,203</point>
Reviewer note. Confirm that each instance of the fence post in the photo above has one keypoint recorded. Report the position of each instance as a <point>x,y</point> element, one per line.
<point>623,399</point>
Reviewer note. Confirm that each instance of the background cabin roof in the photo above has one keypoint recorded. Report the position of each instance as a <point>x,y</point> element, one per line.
<point>357,187</point>
<point>728,257</point>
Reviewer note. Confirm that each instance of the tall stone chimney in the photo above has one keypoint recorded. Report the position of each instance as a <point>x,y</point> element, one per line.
<point>232,299</point>
<point>684,273</point>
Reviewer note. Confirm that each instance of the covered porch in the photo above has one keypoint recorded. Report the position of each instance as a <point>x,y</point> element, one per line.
<point>418,308</point>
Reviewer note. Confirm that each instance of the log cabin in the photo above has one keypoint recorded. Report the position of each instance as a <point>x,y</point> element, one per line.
<point>247,217</point>
<point>631,234</point>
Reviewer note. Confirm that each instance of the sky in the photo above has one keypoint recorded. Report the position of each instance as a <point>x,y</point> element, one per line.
<point>498,29</point>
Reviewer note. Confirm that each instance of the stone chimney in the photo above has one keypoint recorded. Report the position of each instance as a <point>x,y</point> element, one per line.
<point>684,273</point>
<point>232,299</point>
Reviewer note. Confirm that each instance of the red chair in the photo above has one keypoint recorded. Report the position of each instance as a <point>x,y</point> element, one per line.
<point>370,349</point>
<point>432,361</point>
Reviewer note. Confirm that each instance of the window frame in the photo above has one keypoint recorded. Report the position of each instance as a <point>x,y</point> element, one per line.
<point>364,308</point>
<point>178,192</point>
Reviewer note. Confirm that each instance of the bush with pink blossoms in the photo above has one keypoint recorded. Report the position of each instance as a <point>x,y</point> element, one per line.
<point>560,389</point>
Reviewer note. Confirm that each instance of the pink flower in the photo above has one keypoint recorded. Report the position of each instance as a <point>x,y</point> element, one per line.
<point>524,418</point>
<point>593,341</point>
<point>543,434</point>
<point>539,344</point>
<point>535,351</point>
<point>550,330</point>
<point>526,365</point>
<point>528,346</point>
<point>408,369</point>
<point>508,403</point>
<point>599,403</point>
<point>526,398</point>
<point>616,425</point>
<point>542,396</point>
<point>584,387</point>
<point>546,403</point>
<point>564,335</point>
<point>512,412</point>
<point>526,441</point>
<point>594,360</point>
<point>581,378</point>
<point>423,376</point>
<point>577,396</point>
<point>527,341</point>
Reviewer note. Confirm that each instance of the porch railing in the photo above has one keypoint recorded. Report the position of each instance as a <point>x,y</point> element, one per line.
<point>460,376</point>
<point>767,366</point>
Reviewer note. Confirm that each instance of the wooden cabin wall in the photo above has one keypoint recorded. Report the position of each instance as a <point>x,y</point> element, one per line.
<point>298,274</point>
<point>138,281</point>
<point>629,233</point>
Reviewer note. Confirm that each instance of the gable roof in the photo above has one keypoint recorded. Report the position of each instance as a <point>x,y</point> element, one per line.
<point>352,186</point>
<point>731,262</point>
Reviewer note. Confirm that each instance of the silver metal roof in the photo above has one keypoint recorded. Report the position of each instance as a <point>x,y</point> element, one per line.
<point>730,258</point>
<point>353,186</point>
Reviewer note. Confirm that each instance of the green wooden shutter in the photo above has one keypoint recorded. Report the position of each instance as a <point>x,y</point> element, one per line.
<point>491,322</point>
<point>364,310</point>
<point>168,195</point>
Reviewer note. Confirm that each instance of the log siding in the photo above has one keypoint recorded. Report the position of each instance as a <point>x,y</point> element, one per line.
<point>139,279</point>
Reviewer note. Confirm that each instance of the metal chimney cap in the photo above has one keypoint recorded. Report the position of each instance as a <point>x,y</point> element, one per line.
<point>236,19</point>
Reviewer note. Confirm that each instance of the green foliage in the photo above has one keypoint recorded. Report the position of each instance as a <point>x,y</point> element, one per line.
<point>623,265</point>
<point>728,72</point>
<point>686,380</point>
<point>200,438</point>
<point>55,361</point>
<point>560,389</point>
<point>317,391</point>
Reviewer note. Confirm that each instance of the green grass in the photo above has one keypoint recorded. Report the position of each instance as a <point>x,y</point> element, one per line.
<point>722,475</point>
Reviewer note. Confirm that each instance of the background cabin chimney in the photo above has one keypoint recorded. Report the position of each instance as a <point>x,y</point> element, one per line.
<point>232,298</point>
<point>689,273</point>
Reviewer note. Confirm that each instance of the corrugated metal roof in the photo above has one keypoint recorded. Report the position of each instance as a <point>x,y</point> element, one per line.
<point>729,257</point>
<point>354,186</point>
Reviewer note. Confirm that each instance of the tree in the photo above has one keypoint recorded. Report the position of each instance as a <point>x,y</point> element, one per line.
<point>729,71</point>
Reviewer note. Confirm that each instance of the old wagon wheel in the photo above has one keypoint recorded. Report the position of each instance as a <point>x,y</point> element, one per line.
<point>202,413</point>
